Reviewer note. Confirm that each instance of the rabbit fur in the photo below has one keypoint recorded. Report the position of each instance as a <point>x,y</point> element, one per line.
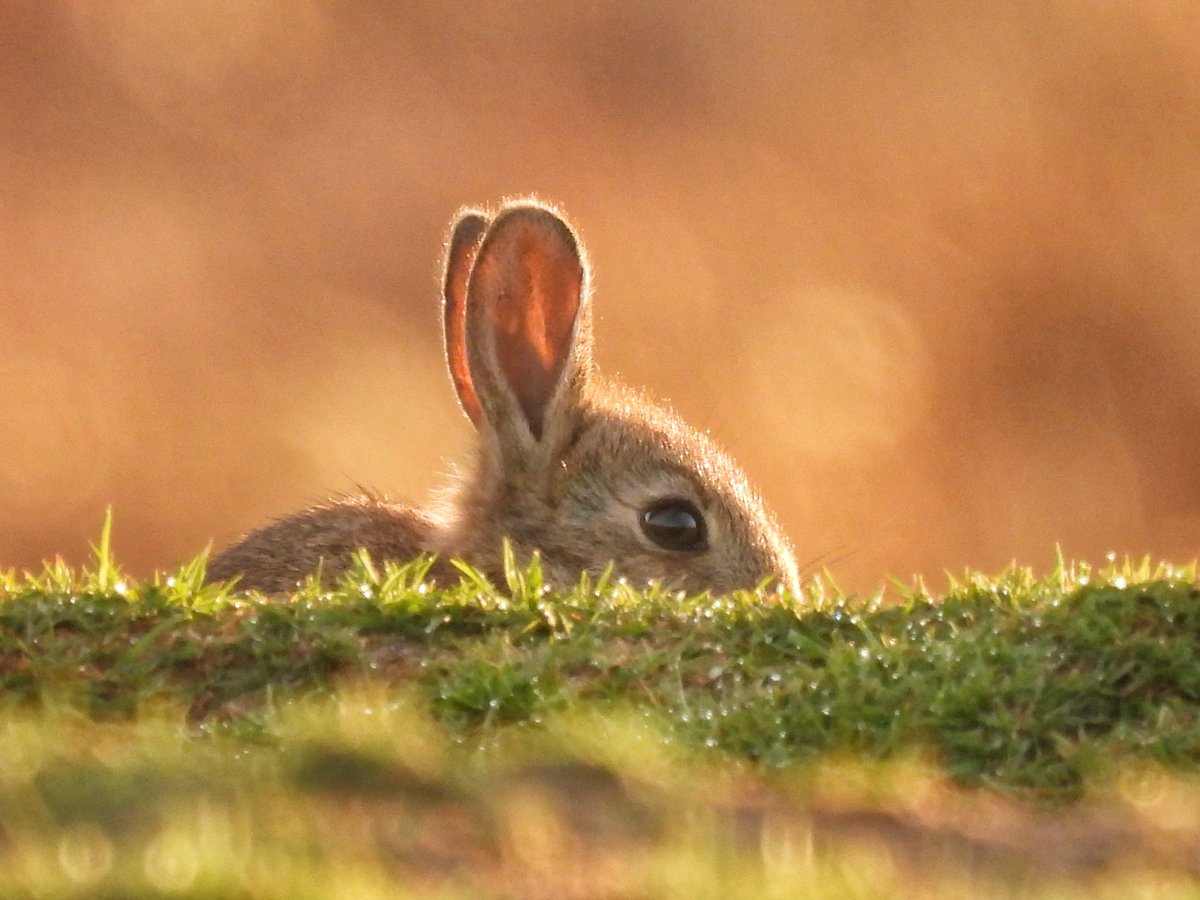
<point>568,462</point>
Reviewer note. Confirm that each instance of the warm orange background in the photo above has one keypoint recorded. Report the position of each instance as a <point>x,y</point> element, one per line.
<point>930,271</point>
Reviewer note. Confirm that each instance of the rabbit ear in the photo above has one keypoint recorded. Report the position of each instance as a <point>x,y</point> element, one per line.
<point>528,339</point>
<point>465,238</point>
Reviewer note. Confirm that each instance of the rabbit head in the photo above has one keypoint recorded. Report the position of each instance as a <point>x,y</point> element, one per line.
<point>571,464</point>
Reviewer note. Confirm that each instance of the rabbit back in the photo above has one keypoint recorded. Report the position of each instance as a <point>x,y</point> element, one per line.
<point>278,556</point>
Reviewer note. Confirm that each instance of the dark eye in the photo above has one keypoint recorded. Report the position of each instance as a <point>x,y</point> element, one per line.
<point>675,525</point>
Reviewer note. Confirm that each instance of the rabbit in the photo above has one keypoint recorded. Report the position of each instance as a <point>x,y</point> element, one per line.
<point>569,463</point>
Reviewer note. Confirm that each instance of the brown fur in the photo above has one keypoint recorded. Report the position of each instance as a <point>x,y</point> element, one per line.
<point>278,556</point>
<point>567,460</point>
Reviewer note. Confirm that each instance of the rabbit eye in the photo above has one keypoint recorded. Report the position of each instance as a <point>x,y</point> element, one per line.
<point>675,525</point>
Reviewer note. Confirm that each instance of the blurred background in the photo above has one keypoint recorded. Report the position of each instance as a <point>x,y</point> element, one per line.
<point>931,272</point>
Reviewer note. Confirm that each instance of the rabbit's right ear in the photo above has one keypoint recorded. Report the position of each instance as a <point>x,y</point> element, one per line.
<point>527,330</point>
<point>465,237</point>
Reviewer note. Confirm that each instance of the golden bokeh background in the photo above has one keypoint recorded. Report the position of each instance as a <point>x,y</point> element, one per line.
<point>931,272</point>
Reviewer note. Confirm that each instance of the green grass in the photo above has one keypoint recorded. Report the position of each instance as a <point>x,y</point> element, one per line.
<point>391,736</point>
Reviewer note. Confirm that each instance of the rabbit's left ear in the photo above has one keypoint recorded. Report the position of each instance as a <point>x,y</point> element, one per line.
<point>465,237</point>
<point>528,332</point>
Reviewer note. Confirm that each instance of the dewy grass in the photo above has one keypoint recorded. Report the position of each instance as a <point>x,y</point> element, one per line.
<point>446,715</point>
<point>1016,682</point>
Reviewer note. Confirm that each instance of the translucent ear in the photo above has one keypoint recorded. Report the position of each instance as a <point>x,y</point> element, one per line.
<point>527,335</point>
<point>465,238</point>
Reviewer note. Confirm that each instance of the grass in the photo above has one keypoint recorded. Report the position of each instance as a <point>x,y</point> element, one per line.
<point>391,736</point>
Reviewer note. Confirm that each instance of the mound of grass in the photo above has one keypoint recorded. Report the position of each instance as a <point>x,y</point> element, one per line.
<point>596,739</point>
